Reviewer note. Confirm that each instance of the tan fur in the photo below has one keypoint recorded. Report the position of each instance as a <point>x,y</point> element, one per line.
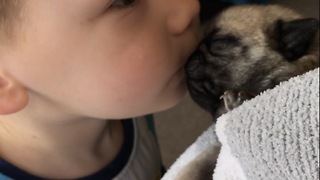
<point>247,20</point>
<point>253,22</point>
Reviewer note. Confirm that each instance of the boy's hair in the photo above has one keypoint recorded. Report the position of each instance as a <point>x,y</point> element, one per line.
<point>10,16</point>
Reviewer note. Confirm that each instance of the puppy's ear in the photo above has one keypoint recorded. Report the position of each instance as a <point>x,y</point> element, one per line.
<point>293,38</point>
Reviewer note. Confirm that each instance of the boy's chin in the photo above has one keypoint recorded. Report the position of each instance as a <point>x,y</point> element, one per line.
<point>174,99</point>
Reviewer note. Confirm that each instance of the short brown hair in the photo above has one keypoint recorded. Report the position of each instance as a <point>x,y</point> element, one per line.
<point>9,17</point>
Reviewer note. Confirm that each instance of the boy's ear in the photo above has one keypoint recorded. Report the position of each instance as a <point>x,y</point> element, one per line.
<point>13,96</point>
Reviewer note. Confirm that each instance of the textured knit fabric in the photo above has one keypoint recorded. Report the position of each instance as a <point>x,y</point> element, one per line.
<point>274,136</point>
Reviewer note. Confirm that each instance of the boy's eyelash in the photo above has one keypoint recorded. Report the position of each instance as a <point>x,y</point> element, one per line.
<point>118,4</point>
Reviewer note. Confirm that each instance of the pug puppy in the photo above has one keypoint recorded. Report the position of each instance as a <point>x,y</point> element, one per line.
<point>247,49</point>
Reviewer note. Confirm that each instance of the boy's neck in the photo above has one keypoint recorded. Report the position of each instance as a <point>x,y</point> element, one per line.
<point>75,148</point>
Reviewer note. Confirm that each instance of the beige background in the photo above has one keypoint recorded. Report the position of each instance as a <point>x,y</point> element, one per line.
<point>177,128</point>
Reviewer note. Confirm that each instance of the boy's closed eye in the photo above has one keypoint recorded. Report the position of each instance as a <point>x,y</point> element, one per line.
<point>118,4</point>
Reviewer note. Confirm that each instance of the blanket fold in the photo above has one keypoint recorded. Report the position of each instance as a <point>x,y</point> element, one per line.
<point>274,136</point>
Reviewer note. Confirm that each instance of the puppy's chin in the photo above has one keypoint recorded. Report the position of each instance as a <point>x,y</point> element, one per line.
<point>202,95</point>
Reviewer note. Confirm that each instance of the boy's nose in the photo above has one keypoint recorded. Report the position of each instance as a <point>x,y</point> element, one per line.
<point>182,15</point>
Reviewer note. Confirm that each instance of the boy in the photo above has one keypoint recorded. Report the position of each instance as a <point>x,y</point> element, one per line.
<point>70,68</point>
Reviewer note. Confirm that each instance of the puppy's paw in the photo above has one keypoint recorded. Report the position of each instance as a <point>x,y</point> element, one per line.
<point>233,99</point>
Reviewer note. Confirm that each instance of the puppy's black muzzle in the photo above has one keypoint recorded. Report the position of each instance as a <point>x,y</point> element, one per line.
<point>194,65</point>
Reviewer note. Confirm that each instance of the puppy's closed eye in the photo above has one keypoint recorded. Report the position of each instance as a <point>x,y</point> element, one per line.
<point>217,44</point>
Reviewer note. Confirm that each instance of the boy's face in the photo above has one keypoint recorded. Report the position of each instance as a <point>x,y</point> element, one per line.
<point>104,60</point>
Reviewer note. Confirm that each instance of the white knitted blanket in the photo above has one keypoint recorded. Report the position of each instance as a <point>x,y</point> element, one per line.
<point>274,136</point>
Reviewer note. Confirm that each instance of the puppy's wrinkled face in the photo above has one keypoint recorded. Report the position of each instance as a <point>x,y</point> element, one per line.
<point>251,48</point>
